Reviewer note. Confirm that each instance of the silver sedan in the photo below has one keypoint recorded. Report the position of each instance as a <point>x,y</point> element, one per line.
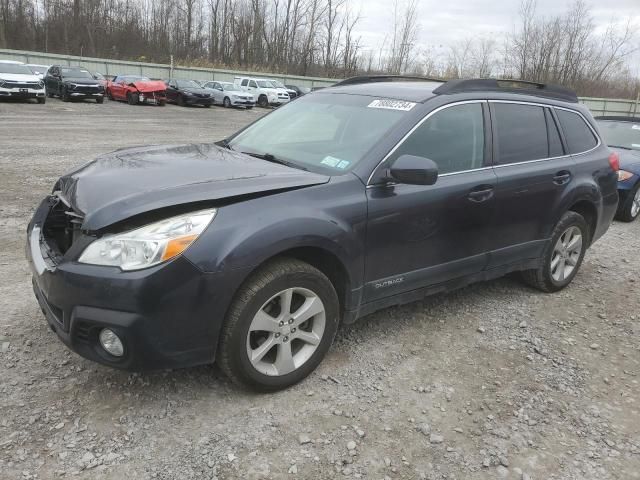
<point>229,95</point>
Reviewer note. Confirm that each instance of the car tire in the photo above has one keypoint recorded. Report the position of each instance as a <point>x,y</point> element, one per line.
<point>180,101</point>
<point>248,326</point>
<point>131,100</point>
<point>249,108</point>
<point>226,103</point>
<point>162,103</point>
<point>207,105</point>
<point>263,101</point>
<point>562,256</point>
<point>109,94</point>
<point>65,96</point>
<point>100,100</point>
<point>42,100</point>
<point>629,210</point>
<point>49,94</point>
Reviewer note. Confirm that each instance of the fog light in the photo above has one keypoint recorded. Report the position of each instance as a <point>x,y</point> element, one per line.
<point>111,342</point>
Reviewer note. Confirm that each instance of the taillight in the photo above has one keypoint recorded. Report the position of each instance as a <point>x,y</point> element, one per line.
<point>614,161</point>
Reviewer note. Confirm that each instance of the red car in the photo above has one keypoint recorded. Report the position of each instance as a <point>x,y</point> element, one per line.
<point>135,89</point>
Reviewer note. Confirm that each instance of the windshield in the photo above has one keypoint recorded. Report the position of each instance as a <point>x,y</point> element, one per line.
<point>264,84</point>
<point>37,68</point>
<point>322,133</point>
<point>276,83</point>
<point>15,68</point>
<point>230,87</point>
<point>621,134</point>
<point>187,84</point>
<point>76,73</point>
<point>137,79</point>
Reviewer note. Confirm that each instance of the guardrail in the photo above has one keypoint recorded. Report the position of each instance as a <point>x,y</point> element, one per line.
<point>598,106</point>
<point>155,70</point>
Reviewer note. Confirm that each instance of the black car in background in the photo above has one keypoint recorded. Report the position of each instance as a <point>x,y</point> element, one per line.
<point>187,92</point>
<point>250,252</point>
<point>73,83</point>
<point>300,91</point>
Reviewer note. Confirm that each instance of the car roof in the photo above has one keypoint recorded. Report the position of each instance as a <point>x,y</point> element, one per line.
<point>417,91</point>
<point>619,118</point>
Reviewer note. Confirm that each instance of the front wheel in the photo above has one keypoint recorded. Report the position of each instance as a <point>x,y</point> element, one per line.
<point>279,326</point>
<point>629,210</point>
<point>99,99</point>
<point>131,100</point>
<point>563,255</point>
<point>42,100</point>
<point>180,101</point>
<point>263,101</point>
<point>65,96</point>
<point>226,102</point>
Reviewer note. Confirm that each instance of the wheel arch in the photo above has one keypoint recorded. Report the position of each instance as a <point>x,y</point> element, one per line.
<point>589,212</point>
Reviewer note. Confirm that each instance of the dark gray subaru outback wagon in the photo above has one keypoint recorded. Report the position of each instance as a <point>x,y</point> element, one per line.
<point>251,251</point>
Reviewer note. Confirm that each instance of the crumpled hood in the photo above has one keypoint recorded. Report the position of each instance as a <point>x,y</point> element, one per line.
<point>629,159</point>
<point>150,86</point>
<point>128,182</point>
<point>19,77</point>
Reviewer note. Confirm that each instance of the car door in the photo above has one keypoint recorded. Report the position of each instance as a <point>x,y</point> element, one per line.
<point>50,80</point>
<point>118,87</point>
<point>216,92</point>
<point>419,236</point>
<point>533,174</point>
<point>172,91</point>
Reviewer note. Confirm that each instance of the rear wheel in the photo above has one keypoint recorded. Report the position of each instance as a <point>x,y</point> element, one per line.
<point>226,102</point>
<point>629,210</point>
<point>279,326</point>
<point>563,255</point>
<point>263,101</point>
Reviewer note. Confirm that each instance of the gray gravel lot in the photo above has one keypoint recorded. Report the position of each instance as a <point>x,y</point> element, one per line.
<point>493,381</point>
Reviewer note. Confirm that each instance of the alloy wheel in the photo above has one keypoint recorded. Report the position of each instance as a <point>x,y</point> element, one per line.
<point>566,254</point>
<point>635,205</point>
<point>286,331</point>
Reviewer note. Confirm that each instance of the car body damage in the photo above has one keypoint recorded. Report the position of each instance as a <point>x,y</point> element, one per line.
<point>125,183</point>
<point>136,90</point>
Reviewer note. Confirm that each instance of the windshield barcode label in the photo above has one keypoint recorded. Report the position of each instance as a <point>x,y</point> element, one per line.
<point>392,105</point>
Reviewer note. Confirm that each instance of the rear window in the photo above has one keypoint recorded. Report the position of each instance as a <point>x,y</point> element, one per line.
<point>521,133</point>
<point>579,136</point>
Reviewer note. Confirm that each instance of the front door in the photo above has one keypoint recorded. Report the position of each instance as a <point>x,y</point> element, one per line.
<point>419,236</point>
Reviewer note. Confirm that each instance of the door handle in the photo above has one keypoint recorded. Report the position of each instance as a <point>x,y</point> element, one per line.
<point>561,178</point>
<point>481,193</point>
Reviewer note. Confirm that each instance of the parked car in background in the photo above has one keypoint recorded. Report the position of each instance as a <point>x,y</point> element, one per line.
<point>229,95</point>
<point>101,79</point>
<point>281,86</point>
<point>622,134</point>
<point>17,81</point>
<point>39,70</point>
<point>136,89</point>
<point>73,83</point>
<point>252,251</point>
<point>299,90</point>
<point>263,91</point>
<point>187,92</point>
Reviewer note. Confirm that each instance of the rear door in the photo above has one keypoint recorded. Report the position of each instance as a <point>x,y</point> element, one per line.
<point>423,235</point>
<point>534,173</point>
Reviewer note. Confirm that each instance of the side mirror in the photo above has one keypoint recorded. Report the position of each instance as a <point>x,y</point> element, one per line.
<point>414,170</point>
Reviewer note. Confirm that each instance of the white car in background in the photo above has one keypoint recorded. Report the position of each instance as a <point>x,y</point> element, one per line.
<point>39,70</point>
<point>281,86</point>
<point>17,81</point>
<point>229,95</point>
<point>263,91</point>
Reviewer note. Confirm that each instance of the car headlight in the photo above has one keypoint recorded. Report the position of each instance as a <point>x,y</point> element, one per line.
<point>624,175</point>
<point>149,245</point>
<point>188,94</point>
<point>70,86</point>
<point>41,84</point>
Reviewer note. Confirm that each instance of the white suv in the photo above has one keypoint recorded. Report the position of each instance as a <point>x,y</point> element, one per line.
<point>17,81</point>
<point>263,90</point>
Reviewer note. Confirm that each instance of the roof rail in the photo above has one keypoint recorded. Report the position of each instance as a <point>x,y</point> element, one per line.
<point>508,85</point>
<point>384,78</point>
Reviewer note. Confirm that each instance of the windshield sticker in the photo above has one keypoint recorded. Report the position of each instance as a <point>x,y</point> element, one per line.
<point>635,127</point>
<point>392,105</point>
<point>335,162</point>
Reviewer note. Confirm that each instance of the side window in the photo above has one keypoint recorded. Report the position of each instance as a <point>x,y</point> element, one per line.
<point>115,80</point>
<point>521,133</point>
<point>453,138</point>
<point>252,84</point>
<point>244,82</point>
<point>555,144</point>
<point>579,136</point>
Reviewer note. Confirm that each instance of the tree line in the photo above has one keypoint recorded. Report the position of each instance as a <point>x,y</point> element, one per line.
<point>319,37</point>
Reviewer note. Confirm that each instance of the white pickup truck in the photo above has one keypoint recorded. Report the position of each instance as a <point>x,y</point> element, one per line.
<point>263,91</point>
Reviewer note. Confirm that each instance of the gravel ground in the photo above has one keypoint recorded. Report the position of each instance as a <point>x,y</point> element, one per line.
<point>493,381</point>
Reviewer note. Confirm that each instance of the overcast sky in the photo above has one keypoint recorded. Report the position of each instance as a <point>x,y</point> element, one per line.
<point>442,22</point>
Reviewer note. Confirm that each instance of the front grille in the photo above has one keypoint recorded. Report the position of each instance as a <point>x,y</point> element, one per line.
<point>202,95</point>
<point>61,228</point>
<point>35,85</point>
<point>87,89</point>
